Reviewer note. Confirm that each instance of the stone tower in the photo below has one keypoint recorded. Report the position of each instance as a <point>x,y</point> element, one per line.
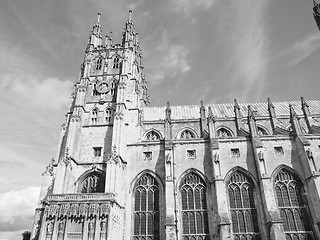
<point>82,192</point>
<point>316,12</point>
<point>128,171</point>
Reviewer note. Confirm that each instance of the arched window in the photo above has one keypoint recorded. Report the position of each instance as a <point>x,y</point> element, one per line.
<point>293,211</point>
<point>94,116</point>
<point>262,131</point>
<point>243,211</point>
<point>187,134</point>
<point>116,62</point>
<point>108,115</point>
<point>194,208</point>
<point>152,136</point>
<point>222,133</point>
<point>93,183</point>
<point>99,64</point>
<point>146,209</point>
<point>113,87</point>
<point>94,90</point>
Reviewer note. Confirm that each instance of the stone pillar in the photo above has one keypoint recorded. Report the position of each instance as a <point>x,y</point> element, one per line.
<point>170,221</point>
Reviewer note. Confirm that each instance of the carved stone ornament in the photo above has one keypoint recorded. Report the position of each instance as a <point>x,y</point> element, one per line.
<point>103,87</point>
<point>49,169</point>
<point>114,157</point>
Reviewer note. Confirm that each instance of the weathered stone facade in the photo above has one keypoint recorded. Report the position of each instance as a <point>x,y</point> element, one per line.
<point>125,170</point>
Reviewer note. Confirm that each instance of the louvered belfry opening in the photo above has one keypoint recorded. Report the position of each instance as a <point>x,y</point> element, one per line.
<point>146,209</point>
<point>293,210</point>
<point>242,207</point>
<point>194,208</point>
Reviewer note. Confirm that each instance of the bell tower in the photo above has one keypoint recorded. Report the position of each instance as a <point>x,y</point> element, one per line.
<point>82,195</point>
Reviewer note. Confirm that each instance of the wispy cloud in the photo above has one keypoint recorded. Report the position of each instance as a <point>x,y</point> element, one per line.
<point>302,49</point>
<point>189,6</point>
<point>173,60</point>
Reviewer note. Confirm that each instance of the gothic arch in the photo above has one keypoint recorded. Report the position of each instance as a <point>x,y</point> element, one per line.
<point>192,132</point>
<point>150,131</point>
<point>264,131</point>
<point>242,191</point>
<point>193,193</point>
<point>96,172</point>
<point>224,131</point>
<point>147,206</point>
<point>289,191</point>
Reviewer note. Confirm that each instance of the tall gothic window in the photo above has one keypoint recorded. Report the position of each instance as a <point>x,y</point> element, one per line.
<point>108,115</point>
<point>146,209</point>
<point>116,62</point>
<point>93,183</point>
<point>94,116</point>
<point>194,208</point>
<point>243,211</point>
<point>113,87</point>
<point>293,211</point>
<point>99,64</point>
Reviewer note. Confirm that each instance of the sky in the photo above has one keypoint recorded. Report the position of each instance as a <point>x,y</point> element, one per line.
<point>210,50</point>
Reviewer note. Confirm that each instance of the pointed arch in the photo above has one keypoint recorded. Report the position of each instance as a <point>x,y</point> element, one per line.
<point>94,116</point>
<point>152,135</point>
<point>223,132</point>
<point>108,114</point>
<point>91,181</point>
<point>147,191</point>
<point>186,133</point>
<point>262,131</point>
<point>293,207</point>
<point>241,194</point>
<point>113,86</point>
<point>193,202</point>
<point>99,63</point>
<point>116,61</point>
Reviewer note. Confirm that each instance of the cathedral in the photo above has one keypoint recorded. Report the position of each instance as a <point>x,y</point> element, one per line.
<point>126,170</point>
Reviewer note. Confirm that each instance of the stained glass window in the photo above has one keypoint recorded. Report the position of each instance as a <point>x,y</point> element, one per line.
<point>223,133</point>
<point>194,208</point>
<point>187,134</point>
<point>93,183</point>
<point>293,211</point>
<point>146,209</point>
<point>243,211</point>
<point>152,136</point>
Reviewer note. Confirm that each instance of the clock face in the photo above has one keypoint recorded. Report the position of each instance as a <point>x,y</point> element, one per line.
<point>103,87</point>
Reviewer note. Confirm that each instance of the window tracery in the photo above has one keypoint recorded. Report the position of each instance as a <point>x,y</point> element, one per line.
<point>99,64</point>
<point>223,133</point>
<point>116,62</point>
<point>152,136</point>
<point>293,211</point>
<point>262,131</point>
<point>187,134</point>
<point>93,183</point>
<point>108,115</point>
<point>242,207</point>
<point>146,209</point>
<point>194,208</point>
<point>94,116</point>
<point>113,87</point>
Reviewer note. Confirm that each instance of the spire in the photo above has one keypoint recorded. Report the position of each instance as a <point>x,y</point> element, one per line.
<point>294,121</point>
<point>95,38</point>
<point>129,36</point>
<point>130,16</point>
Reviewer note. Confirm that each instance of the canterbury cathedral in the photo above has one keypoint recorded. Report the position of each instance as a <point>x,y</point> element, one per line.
<point>125,170</point>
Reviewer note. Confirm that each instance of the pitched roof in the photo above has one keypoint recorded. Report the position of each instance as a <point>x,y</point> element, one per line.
<point>227,110</point>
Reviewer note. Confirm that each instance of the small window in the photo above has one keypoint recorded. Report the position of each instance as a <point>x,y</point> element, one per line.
<point>108,115</point>
<point>262,131</point>
<point>223,133</point>
<point>235,152</point>
<point>116,62</point>
<point>152,136</point>
<point>147,156</point>
<point>99,64</point>
<point>97,151</point>
<point>113,87</point>
<point>278,151</point>
<point>187,134</point>
<point>94,117</point>
<point>191,154</point>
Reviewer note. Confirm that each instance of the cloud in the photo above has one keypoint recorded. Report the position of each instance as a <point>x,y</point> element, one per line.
<point>302,49</point>
<point>17,208</point>
<point>190,6</point>
<point>174,60</point>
